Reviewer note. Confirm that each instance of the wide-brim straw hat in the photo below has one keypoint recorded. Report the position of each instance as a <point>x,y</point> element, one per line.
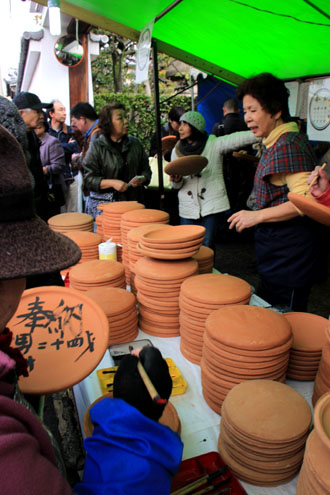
<point>27,245</point>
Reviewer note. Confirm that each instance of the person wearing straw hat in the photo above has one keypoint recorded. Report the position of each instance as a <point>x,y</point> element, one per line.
<point>129,451</point>
<point>27,247</point>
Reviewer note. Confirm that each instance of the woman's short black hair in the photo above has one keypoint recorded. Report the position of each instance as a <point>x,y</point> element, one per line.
<point>105,119</point>
<point>270,91</point>
<point>175,113</point>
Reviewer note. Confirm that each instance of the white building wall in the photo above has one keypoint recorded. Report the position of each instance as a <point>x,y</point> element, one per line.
<point>44,75</point>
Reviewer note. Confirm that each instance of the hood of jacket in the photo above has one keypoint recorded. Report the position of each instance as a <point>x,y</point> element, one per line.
<point>128,452</point>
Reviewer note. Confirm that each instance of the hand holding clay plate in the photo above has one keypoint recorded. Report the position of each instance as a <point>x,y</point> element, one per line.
<point>168,143</point>
<point>311,208</point>
<point>186,165</point>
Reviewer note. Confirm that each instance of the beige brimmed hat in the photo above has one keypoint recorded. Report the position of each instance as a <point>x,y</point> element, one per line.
<point>27,245</point>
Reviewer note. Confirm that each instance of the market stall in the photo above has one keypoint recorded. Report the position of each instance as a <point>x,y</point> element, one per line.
<point>200,425</point>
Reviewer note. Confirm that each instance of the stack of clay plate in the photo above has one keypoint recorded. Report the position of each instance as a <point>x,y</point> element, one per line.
<point>97,273</point>
<point>134,254</point>
<point>243,343</point>
<point>176,243</point>
<point>205,258</point>
<point>137,218</point>
<point>99,222</point>
<point>314,477</point>
<point>322,379</point>
<point>263,431</point>
<point>308,339</point>
<point>158,285</point>
<point>67,222</point>
<point>120,307</point>
<point>88,243</point>
<point>200,296</point>
<point>111,219</point>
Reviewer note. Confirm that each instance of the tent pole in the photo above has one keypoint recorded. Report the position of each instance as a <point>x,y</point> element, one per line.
<point>158,125</point>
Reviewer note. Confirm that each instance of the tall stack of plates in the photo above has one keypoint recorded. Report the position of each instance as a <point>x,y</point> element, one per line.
<point>243,343</point>
<point>308,339</point>
<point>322,379</point>
<point>97,273</point>
<point>158,287</point>
<point>134,254</point>
<point>73,221</point>
<point>200,296</point>
<point>175,243</point>
<point>314,477</point>
<point>111,219</point>
<point>205,259</point>
<point>120,307</point>
<point>99,223</point>
<point>88,243</point>
<point>137,218</point>
<point>263,431</point>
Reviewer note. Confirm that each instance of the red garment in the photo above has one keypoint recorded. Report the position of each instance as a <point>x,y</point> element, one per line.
<point>324,198</point>
<point>27,460</point>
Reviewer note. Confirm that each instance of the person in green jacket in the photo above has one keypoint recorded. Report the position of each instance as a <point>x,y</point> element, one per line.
<point>116,167</point>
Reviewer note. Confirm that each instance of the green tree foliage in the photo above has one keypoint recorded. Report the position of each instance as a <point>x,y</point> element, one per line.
<point>112,69</point>
<point>141,111</point>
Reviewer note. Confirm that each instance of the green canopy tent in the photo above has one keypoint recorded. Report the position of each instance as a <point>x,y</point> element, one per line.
<point>231,39</point>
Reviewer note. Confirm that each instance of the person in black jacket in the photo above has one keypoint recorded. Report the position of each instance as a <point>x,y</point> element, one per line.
<point>116,167</point>
<point>238,173</point>
<point>231,122</point>
<point>171,128</point>
<point>30,108</point>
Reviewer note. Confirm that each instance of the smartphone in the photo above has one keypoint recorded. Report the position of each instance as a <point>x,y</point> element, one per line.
<point>138,177</point>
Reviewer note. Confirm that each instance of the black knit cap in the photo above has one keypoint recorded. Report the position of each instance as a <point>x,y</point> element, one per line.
<point>128,384</point>
<point>27,245</point>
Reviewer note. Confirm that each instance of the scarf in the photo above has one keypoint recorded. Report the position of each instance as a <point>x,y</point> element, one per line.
<point>278,131</point>
<point>183,148</point>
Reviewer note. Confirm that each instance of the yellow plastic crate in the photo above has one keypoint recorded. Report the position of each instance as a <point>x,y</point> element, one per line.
<point>106,376</point>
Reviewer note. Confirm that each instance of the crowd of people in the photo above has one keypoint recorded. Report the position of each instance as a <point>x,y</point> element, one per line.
<point>48,167</point>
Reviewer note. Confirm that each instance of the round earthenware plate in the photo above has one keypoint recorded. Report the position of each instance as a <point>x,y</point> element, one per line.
<point>62,333</point>
<point>186,165</point>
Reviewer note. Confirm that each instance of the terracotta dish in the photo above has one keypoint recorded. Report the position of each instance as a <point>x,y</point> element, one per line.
<point>186,165</point>
<point>311,208</point>
<point>168,143</point>
<point>62,333</point>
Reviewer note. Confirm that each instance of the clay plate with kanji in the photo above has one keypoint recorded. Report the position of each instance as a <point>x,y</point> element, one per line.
<point>62,333</point>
